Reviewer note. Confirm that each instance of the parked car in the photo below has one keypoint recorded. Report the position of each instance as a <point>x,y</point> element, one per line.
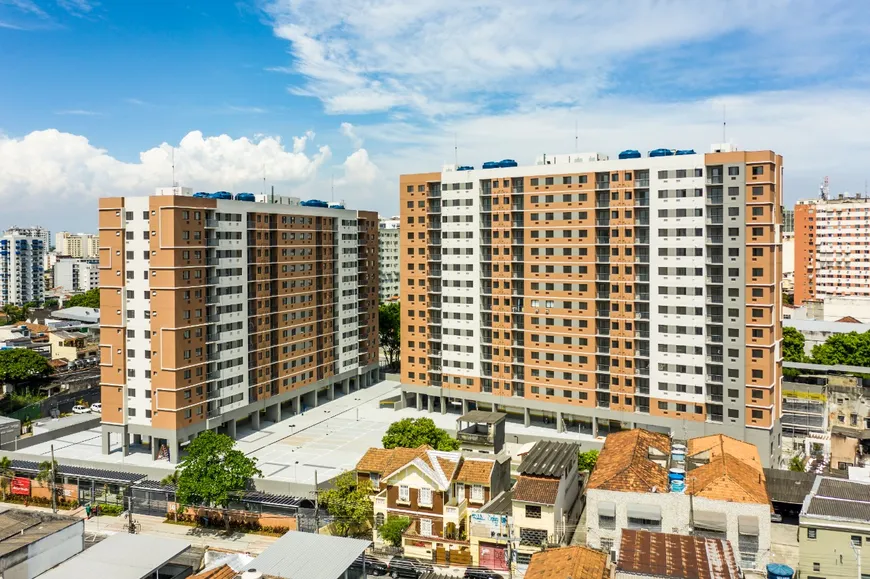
<point>78,409</point>
<point>482,573</point>
<point>404,567</point>
<point>374,566</point>
<point>97,407</point>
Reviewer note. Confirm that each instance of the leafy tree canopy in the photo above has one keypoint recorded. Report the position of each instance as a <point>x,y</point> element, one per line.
<point>349,501</point>
<point>411,433</point>
<point>89,299</point>
<point>796,464</point>
<point>15,314</point>
<point>389,331</point>
<point>213,470</point>
<point>393,529</point>
<point>793,345</point>
<point>22,364</point>
<point>852,349</point>
<point>586,460</point>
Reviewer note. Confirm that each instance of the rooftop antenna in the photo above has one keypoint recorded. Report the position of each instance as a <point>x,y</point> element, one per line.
<point>824,189</point>
<point>455,150</point>
<point>724,125</point>
<point>174,184</point>
<point>264,179</point>
<point>576,137</point>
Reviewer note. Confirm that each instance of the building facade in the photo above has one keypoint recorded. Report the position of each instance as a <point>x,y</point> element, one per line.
<point>788,220</point>
<point>81,245</point>
<point>22,252</point>
<point>832,248</point>
<point>76,275</point>
<point>216,311</point>
<point>582,291</point>
<point>388,259</point>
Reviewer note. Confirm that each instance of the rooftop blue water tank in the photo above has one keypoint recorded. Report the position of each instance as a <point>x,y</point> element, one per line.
<point>490,165</point>
<point>630,154</point>
<point>779,571</point>
<point>221,195</point>
<point>244,196</point>
<point>336,205</point>
<point>661,153</point>
<point>201,194</point>
<point>314,203</point>
<point>465,168</point>
<point>685,151</point>
<point>507,163</point>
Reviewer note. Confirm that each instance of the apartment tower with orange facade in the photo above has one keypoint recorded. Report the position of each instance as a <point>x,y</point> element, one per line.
<point>218,312</point>
<point>588,294</point>
<point>832,248</point>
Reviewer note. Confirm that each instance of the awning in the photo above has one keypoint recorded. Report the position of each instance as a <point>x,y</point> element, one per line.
<point>647,512</point>
<point>711,521</point>
<point>747,525</point>
<point>606,509</point>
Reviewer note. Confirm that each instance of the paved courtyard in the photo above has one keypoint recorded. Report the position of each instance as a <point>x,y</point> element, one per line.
<point>326,440</point>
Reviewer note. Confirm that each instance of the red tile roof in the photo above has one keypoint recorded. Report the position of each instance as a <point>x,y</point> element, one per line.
<point>624,463</point>
<point>568,563</point>
<point>533,489</point>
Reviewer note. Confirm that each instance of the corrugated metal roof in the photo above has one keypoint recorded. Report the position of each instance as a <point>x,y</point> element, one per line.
<point>113,476</point>
<point>483,417</point>
<point>254,497</point>
<point>549,458</point>
<point>679,556</point>
<point>844,489</point>
<point>785,486</point>
<point>838,508</point>
<point>302,556</point>
<point>500,505</point>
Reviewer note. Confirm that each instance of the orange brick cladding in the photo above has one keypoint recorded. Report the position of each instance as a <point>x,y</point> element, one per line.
<point>586,294</point>
<point>219,311</point>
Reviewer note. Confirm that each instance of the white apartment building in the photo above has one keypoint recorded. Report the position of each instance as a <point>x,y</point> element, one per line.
<point>82,245</point>
<point>76,275</point>
<point>388,258</point>
<point>22,253</point>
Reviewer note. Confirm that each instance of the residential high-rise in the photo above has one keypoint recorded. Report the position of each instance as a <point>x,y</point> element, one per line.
<point>588,294</point>
<point>21,266</point>
<point>788,220</point>
<point>76,275</point>
<point>83,245</point>
<point>215,311</point>
<point>388,259</point>
<point>832,250</point>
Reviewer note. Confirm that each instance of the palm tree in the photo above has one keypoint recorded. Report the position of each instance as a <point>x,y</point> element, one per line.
<point>6,474</point>
<point>45,471</point>
<point>172,480</point>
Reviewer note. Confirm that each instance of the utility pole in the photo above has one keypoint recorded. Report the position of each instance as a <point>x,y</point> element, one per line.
<point>53,486</point>
<point>316,506</point>
<point>130,527</point>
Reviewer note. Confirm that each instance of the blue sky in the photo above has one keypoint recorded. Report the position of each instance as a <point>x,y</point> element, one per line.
<point>348,94</point>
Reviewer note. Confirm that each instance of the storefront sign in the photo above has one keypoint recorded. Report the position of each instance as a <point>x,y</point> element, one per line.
<point>20,486</point>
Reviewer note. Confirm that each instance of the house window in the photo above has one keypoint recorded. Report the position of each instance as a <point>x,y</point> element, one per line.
<point>425,497</point>
<point>811,533</point>
<point>404,494</point>
<point>533,512</point>
<point>426,527</point>
<point>379,520</point>
<point>376,480</point>
<point>856,540</point>
<point>477,493</point>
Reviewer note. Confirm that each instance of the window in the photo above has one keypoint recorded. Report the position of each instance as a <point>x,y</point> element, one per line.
<point>376,480</point>
<point>757,414</point>
<point>758,170</point>
<point>404,494</point>
<point>426,527</point>
<point>811,533</point>
<point>477,493</point>
<point>817,566</point>
<point>733,171</point>
<point>534,512</point>
<point>856,540</point>
<point>425,497</point>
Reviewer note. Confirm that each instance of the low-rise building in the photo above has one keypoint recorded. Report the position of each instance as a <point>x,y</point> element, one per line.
<point>834,527</point>
<point>34,542</point>
<point>544,497</point>
<point>574,562</point>
<point>646,555</point>
<point>713,486</point>
<point>72,346</point>
<point>436,490</point>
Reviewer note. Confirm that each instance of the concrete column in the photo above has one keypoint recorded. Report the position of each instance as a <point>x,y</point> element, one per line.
<point>443,405</point>
<point>594,427</point>
<point>330,392</point>
<point>464,406</point>
<point>137,439</point>
<point>430,403</point>
<point>174,450</point>
<point>560,422</point>
<point>107,440</point>
<point>231,428</point>
<point>273,413</point>
<point>125,442</point>
<point>296,405</point>
<point>255,420</point>
<point>419,403</point>
<point>527,417</point>
<point>155,447</point>
<point>345,387</point>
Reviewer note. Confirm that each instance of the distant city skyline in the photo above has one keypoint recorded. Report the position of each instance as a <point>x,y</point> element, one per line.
<point>325,97</point>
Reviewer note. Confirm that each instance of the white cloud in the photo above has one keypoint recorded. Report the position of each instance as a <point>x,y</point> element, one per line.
<point>79,113</point>
<point>358,170</point>
<point>68,172</point>
<point>348,131</point>
<point>76,7</point>
<point>449,57</point>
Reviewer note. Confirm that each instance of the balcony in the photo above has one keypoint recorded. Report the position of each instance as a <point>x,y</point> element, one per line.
<point>714,239</point>
<point>714,378</point>
<point>454,511</point>
<point>715,180</point>
<point>641,183</point>
<point>714,279</point>
<point>381,501</point>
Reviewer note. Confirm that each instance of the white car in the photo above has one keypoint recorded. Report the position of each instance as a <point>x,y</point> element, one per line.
<point>77,409</point>
<point>97,407</point>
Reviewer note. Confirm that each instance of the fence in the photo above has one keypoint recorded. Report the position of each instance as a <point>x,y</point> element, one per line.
<point>62,402</point>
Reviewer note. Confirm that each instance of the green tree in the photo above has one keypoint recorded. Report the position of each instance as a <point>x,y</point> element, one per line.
<point>586,460</point>
<point>349,501</point>
<point>6,474</point>
<point>796,464</point>
<point>43,475</point>
<point>788,299</point>
<point>170,479</point>
<point>413,432</point>
<point>393,529</point>
<point>793,345</point>
<point>852,349</point>
<point>22,364</point>
<point>51,303</point>
<point>389,331</point>
<point>15,314</point>
<point>89,299</point>
<point>213,471</point>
